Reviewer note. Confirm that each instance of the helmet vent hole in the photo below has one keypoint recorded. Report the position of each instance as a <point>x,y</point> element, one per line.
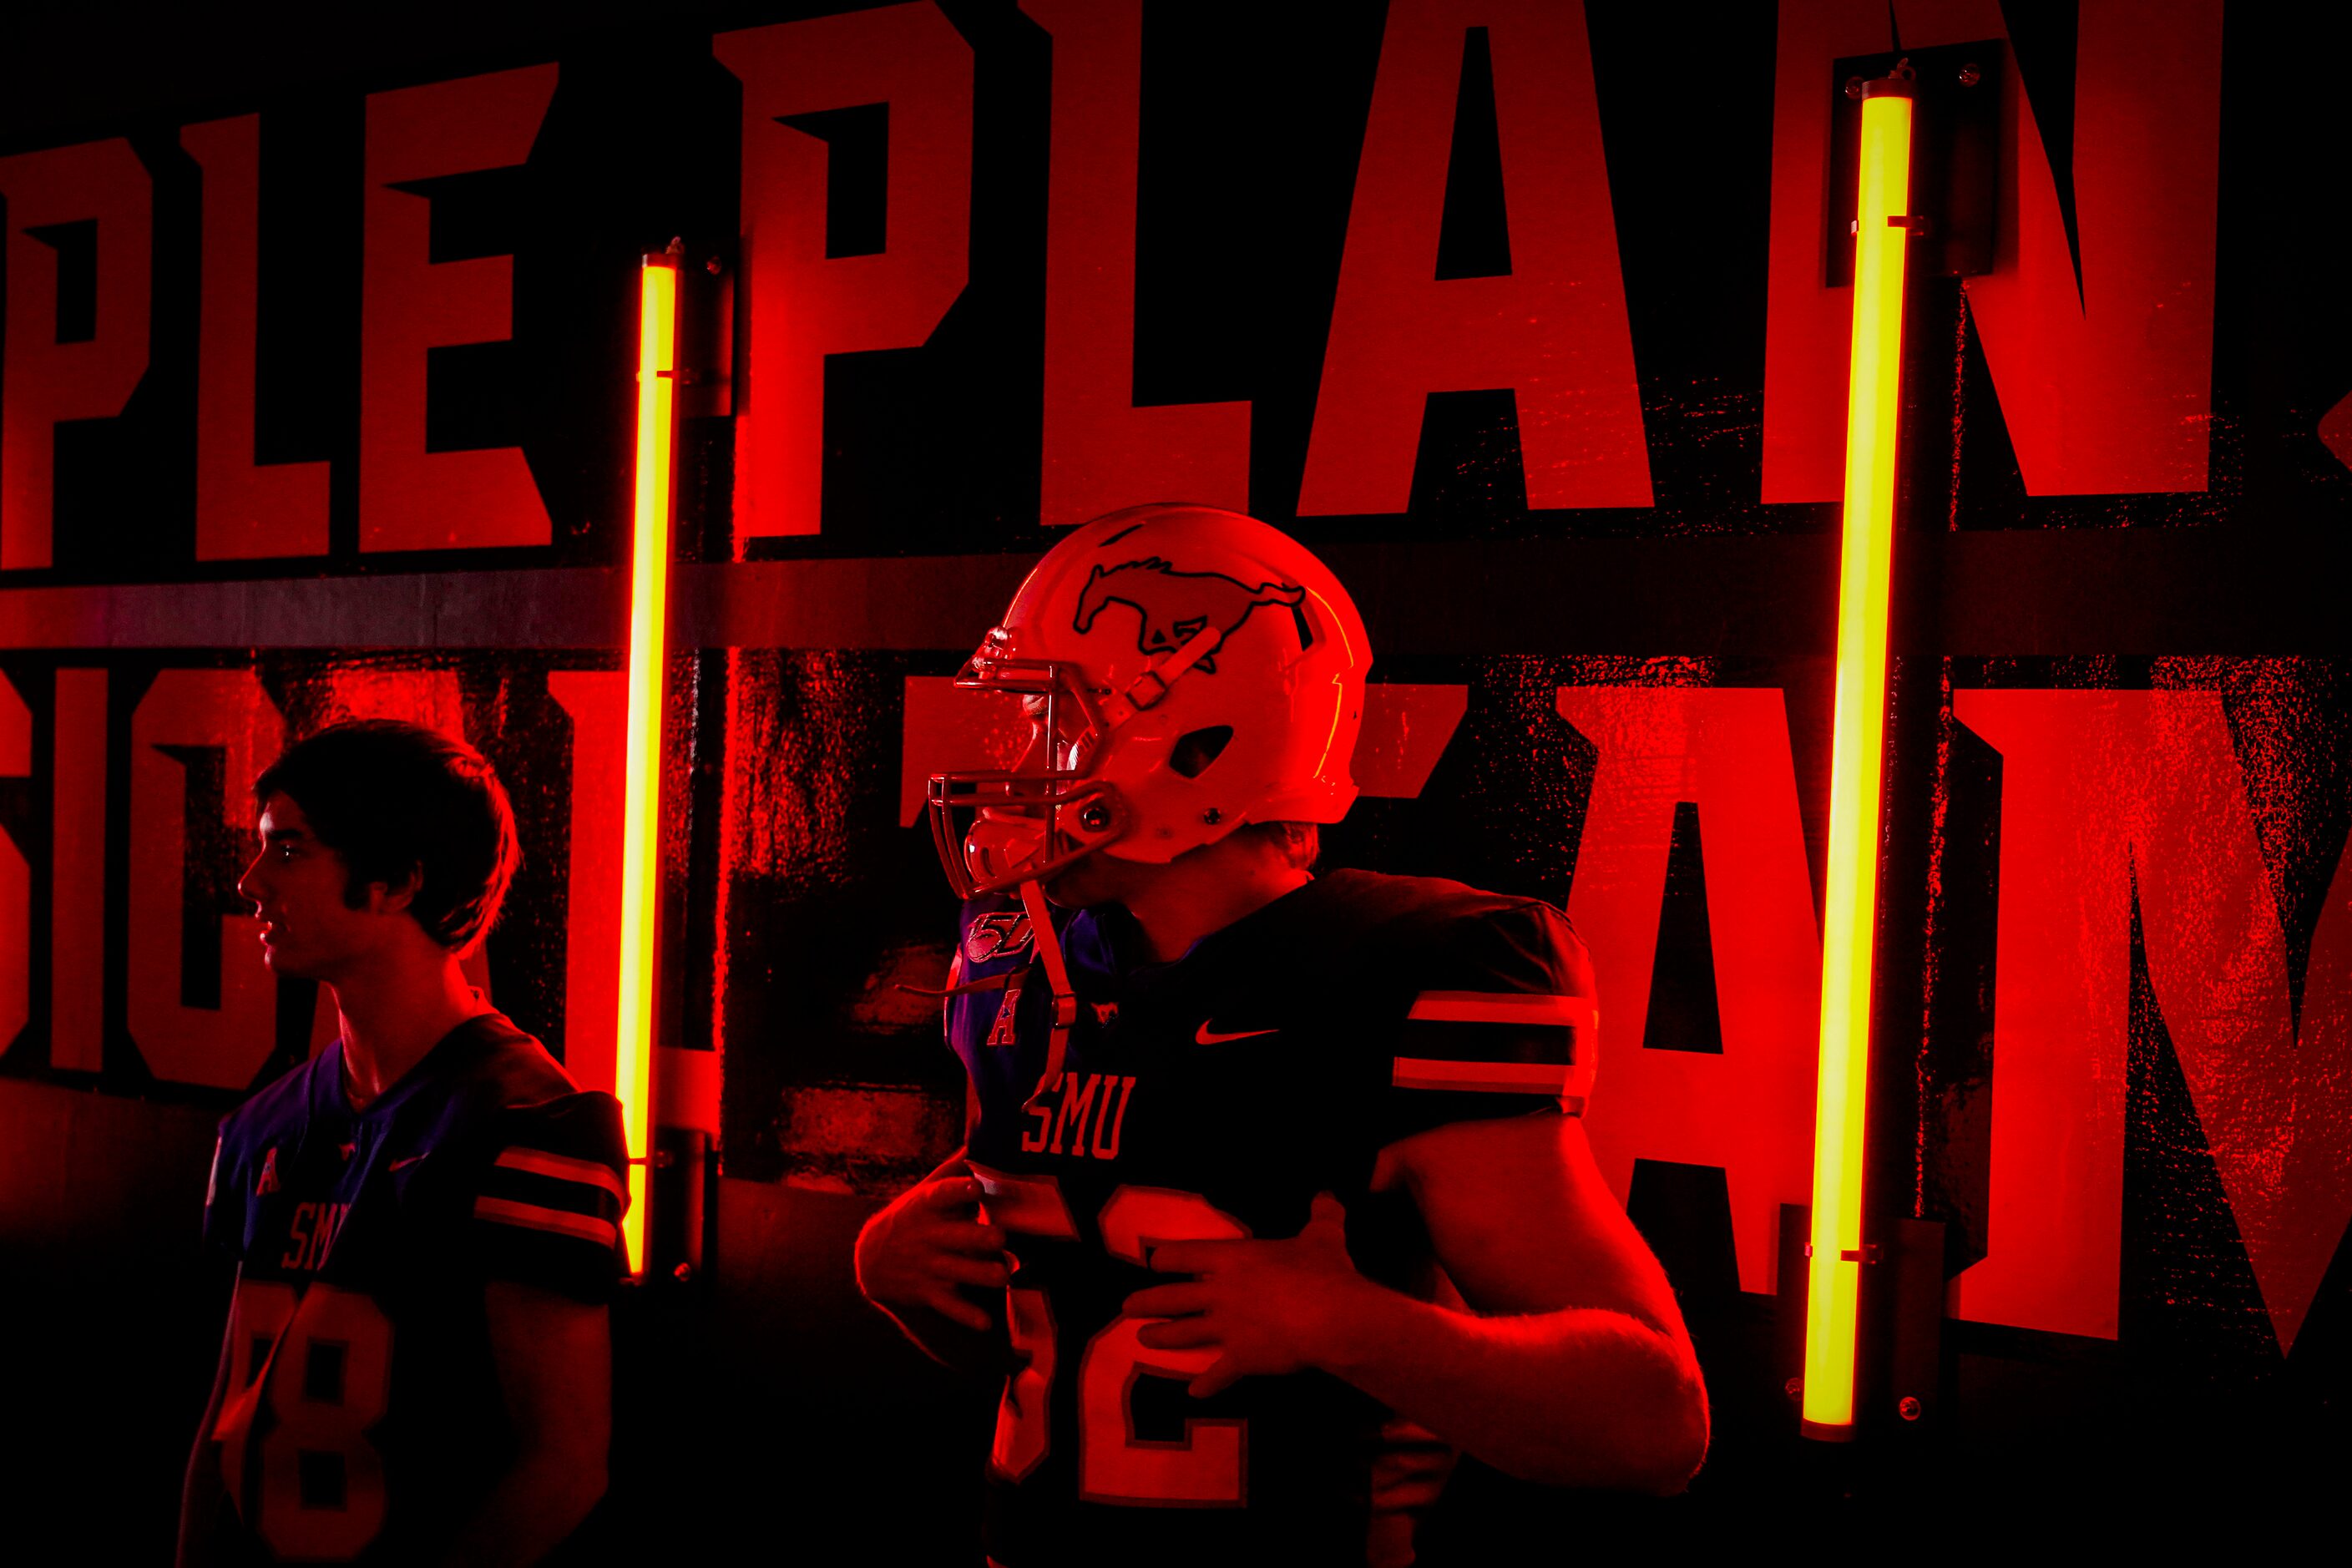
<point>1196,751</point>
<point>1306,627</point>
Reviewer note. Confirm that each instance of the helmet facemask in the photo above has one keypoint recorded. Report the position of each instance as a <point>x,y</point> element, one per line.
<point>994,830</point>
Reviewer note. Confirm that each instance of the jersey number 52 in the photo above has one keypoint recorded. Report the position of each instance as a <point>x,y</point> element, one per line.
<point>1205,1467</point>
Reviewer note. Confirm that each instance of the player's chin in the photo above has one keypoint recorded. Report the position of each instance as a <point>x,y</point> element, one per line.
<point>1081,885</point>
<point>287,962</point>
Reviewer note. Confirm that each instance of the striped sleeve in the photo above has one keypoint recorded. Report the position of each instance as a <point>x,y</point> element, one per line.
<point>548,1207</point>
<point>1506,1023</point>
<point>1499,1042</point>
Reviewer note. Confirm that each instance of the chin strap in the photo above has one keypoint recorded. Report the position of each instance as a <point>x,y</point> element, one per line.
<point>1148,688</point>
<point>1145,692</point>
<point>1057,979</point>
<point>991,982</point>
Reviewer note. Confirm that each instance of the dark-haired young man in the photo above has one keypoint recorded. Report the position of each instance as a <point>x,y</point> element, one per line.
<point>1236,1123</point>
<point>417,1365</point>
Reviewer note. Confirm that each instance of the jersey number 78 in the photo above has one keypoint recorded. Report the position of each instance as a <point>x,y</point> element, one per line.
<point>325,1355</point>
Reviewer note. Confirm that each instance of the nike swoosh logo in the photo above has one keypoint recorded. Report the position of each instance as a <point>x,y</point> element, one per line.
<point>1209,1037</point>
<point>396,1164</point>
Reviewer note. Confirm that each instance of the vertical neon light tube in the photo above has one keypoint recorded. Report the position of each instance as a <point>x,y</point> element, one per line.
<point>1851,901</point>
<point>641,813</point>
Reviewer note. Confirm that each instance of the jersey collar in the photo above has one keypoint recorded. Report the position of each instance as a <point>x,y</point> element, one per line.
<point>329,1085</point>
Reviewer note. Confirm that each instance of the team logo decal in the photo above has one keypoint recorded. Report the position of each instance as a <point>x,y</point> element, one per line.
<point>267,1181</point>
<point>1003,935</point>
<point>1175,606</point>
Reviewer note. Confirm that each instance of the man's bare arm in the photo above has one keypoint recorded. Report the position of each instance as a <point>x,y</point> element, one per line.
<point>200,1490</point>
<point>1572,1366</point>
<point>555,1358</point>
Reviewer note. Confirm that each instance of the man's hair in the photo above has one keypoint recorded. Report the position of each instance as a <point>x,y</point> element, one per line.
<point>396,799</point>
<point>1300,843</point>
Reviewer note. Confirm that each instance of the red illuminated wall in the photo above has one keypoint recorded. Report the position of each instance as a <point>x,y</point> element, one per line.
<point>313,404</point>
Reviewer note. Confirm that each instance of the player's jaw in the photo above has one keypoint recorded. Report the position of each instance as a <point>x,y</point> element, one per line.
<point>1021,840</point>
<point>309,932</point>
<point>1090,880</point>
<point>294,944</point>
<point>284,949</point>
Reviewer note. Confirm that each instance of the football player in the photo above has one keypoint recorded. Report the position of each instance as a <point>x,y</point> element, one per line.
<point>419,1363</point>
<point>1239,1133</point>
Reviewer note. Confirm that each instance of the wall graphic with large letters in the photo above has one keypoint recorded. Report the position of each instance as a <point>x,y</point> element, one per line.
<point>317,405</point>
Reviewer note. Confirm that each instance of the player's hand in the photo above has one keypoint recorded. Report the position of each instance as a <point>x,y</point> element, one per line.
<point>1259,1307</point>
<point>1410,1468</point>
<point>926,1247</point>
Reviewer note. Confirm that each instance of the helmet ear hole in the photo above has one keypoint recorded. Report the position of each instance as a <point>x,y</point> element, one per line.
<point>1194,752</point>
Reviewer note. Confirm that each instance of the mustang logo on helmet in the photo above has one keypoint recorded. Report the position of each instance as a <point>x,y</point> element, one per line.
<point>1175,606</point>
<point>1125,733</point>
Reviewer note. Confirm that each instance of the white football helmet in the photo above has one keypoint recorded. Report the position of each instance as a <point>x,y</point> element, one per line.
<point>1189,670</point>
